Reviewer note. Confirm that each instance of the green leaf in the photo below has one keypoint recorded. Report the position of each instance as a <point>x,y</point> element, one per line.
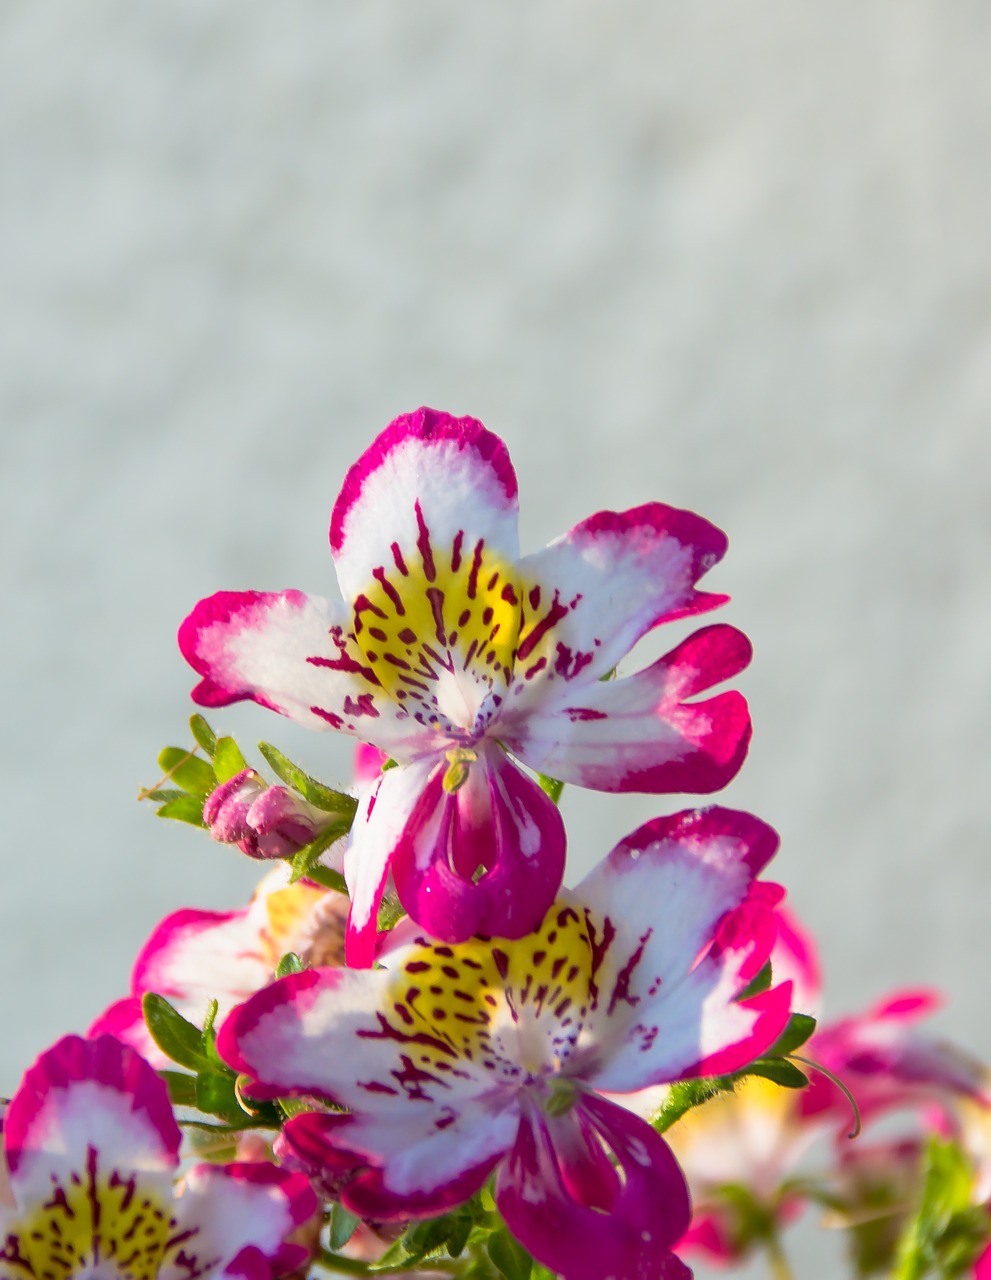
<point>551,787</point>
<point>800,1027</point>
<point>290,963</point>
<point>181,1087</point>
<point>177,1038</point>
<point>188,770</point>
<point>778,1070</point>
<point>227,759</point>
<point>203,734</point>
<point>686,1094</point>
<point>184,808</point>
<point>216,1096</point>
<point>161,795</point>
<point>343,1225</point>
<point>309,788</point>
<point>327,878</point>
<point>209,1034</point>
<point>943,1237</point>
<point>304,862</point>
<point>509,1256</point>
<point>390,913</point>
<point>756,985</point>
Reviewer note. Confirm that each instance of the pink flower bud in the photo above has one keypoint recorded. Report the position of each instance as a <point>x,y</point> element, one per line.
<point>263,821</point>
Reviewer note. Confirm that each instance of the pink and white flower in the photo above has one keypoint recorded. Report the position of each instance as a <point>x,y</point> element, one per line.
<point>450,651</point>
<point>494,1055</point>
<point>92,1148</point>
<point>193,957</point>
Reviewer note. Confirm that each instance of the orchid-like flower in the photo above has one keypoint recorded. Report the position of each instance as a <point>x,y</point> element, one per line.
<point>451,651</point>
<point>92,1147</point>
<point>194,957</point>
<point>457,1060</point>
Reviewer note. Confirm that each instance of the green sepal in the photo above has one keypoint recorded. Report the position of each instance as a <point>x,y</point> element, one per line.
<point>779,1071</point>
<point>550,787</point>
<point>389,764</point>
<point>194,775</point>
<point>227,760</point>
<point>304,862</point>
<point>308,787</point>
<point>756,985</point>
<point>183,808</point>
<point>800,1027</point>
<point>508,1255</point>
<point>447,1234</point>
<point>177,1038</point>
<point>343,1225</point>
<point>327,878</point>
<point>290,963</point>
<point>209,1034</point>
<point>181,1087</point>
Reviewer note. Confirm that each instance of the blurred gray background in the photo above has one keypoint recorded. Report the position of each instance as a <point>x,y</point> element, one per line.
<point>732,257</point>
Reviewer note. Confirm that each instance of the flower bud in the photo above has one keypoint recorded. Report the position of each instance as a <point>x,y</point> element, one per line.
<point>263,821</point>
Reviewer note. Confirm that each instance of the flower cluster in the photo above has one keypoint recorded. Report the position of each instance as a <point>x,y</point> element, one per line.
<point>417,1049</point>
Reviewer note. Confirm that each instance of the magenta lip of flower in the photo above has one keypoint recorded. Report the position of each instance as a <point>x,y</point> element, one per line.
<point>451,650</point>
<point>457,1061</point>
<point>90,1137</point>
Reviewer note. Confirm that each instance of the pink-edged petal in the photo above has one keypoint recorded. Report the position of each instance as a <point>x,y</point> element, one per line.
<point>795,959</point>
<point>631,1235</point>
<point>292,653</point>
<point>677,928</point>
<point>84,1096</point>
<point>595,591</point>
<point>125,1021</point>
<point>194,957</point>
<point>488,858</point>
<point>982,1267</point>
<point>238,1207</point>
<point>383,814</point>
<point>319,1143</point>
<point>424,1113</point>
<point>638,733</point>
<point>428,491</point>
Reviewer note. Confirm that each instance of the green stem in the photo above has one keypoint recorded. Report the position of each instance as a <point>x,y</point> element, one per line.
<point>780,1266</point>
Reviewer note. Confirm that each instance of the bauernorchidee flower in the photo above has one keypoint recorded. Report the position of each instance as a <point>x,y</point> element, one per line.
<point>457,1061</point>
<point>452,654</point>
<point>92,1148</point>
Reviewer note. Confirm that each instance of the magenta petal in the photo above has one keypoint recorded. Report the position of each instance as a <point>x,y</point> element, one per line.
<point>630,1235</point>
<point>498,821</point>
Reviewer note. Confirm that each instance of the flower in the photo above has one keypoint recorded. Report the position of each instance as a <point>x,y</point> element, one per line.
<point>742,1151</point>
<point>457,1060</point>
<point>193,957</point>
<point>263,821</point>
<point>92,1147</point>
<point>451,651</point>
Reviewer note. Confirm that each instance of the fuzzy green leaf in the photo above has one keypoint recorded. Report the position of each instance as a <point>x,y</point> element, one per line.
<point>756,985</point>
<point>227,759</point>
<point>800,1027</point>
<point>187,770</point>
<point>290,963</point>
<point>779,1071</point>
<point>309,788</point>
<point>304,862</point>
<point>343,1225</point>
<point>177,1038</point>
<point>511,1259</point>
<point>551,787</point>
<point>184,808</point>
<point>203,734</point>
<point>686,1094</point>
<point>181,1087</point>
